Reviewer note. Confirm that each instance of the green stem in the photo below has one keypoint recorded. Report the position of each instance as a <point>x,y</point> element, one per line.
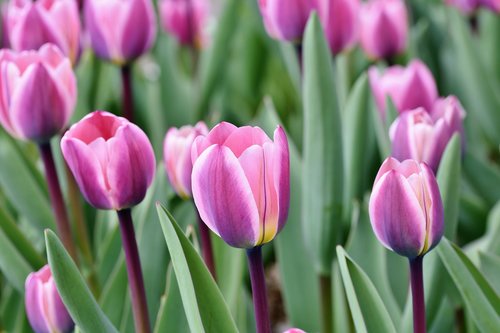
<point>325,285</point>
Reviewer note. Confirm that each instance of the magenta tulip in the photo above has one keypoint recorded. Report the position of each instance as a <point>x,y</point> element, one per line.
<point>286,19</point>
<point>340,23</point>
<point>111,158</point>
<point>38,92</point>
<point>294,330</point>
<point>31,24</point>
<point>383,28</point>
<point>405,207</point>
<point>186,20</point>
<point>241,183</point>
<point>465,6</point>
<point>177,156</point>
<point>44,307</point>
<point>421,136</point>
<point>493,5</point>
<point>409,87</point>
<point>120,30</point>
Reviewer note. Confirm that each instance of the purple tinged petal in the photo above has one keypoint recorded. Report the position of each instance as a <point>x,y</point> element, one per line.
<point>435,229</point>
<point>139,30</point>
<point>224,198</point>
<point>285,20</point>
<point>397,218</point>
<point>33,303</point>
<point>340,23</point>
<point>244,137</point>
<point>95,31</point>
<point>217,135</point>
<point>281,172</point>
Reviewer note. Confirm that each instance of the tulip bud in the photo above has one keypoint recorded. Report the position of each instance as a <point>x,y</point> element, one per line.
<point>120,30</point>
<point>111,158</point>
<point>38,92</point>
<point>44,307</point>
<point>409,87</point>
<point>186,20</point>
<point>421,136</point>
<point>340,23</point>
<point>177,156</point>
<point>31,24</point>
<point>465,6</point>
<point>286,19</point>
<point>384,28</point>
<point>241,183</point>
<point>405,207</point>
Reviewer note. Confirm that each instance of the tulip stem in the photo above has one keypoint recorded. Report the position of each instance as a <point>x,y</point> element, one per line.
<point>127,97</point>
<point>56,198</point>
<point>325,285</point>
<point>206,247</point>
<point>134,271</point>
<point>417,292</point>
<point>257,278</point>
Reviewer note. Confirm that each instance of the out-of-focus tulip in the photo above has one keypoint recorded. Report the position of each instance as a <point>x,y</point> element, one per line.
<point>340,22</point>
<point>383,28</point>
<point>421,136</point>
<point>44,307</point>
<point>111,158</point>
<point>186,20</point>
<point>493,5</point>
<point>120,30</point>
<point>286,19</point>
<point>294,330</point>
<point>38,92</point>
<point>465,6</point>
<point>177,156</point>
<point>406,210</point>
<point>241,183</point>
<point>30,24</point>
<point>409,87</point>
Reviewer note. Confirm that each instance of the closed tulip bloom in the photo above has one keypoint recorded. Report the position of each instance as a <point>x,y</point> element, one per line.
<point>186,20</point>
<point>241,183</point>
<point>384,28</point>
<point>340,23</point>
<point>406,210</point>
<point>421,136</point>
<point>44,307</point>
<point>286,19</point>
<point>465,6</point>
<point>409,87</point>
<point>30,24</point>
<point>177,156</point>
<point>120,30</point>
<point>111,158</point>
<point>38,92</point>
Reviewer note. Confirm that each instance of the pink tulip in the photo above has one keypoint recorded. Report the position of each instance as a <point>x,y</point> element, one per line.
<point>177,156</point>
<point>421,136</point>
<point>31,24</point>
<point>44,307</point>
<point>286,19</point>
<point>241,183</point>
<point>111,158</point>
<point>340,22</point>
<point>120,30</point>
<point>493,5</point>
<point>383,28</point>
<point>186,20</point>
<point>38,92</point>
<point>405,207</point>
<point>294,330</point>
<point>409,87</point>
<point>465,6</point>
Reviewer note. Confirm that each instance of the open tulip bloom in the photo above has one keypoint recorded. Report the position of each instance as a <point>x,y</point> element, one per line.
<point>241,187</point>
<point>407,217</point>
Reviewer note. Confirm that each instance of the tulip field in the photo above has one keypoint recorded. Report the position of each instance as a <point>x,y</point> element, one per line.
<point>267,166</point>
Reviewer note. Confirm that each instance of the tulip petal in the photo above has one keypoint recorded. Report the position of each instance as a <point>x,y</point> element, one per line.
<point>224,197</point>
<point>129,152</point>
<point>244,137</point>
<point>435,211</point>
<point>86,168</point>
<point>217,135</point>
<point>9,77</point>
<point>140,29</point>
<point>397,219</point>
<point>281,171</point>
<point>33,303</point>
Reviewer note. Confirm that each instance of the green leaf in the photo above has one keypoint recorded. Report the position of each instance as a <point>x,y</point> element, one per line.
<point>368,311</point>
<point>302,304</point>
<point>448,178</point>
<point>490,266</point>
<point>479,297</point>
<point>203,302</point>
<point>484,177</point>
<point>74,292</point>
<point>12,263</point>
<point>322,187</point>
<point>213,62</point>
